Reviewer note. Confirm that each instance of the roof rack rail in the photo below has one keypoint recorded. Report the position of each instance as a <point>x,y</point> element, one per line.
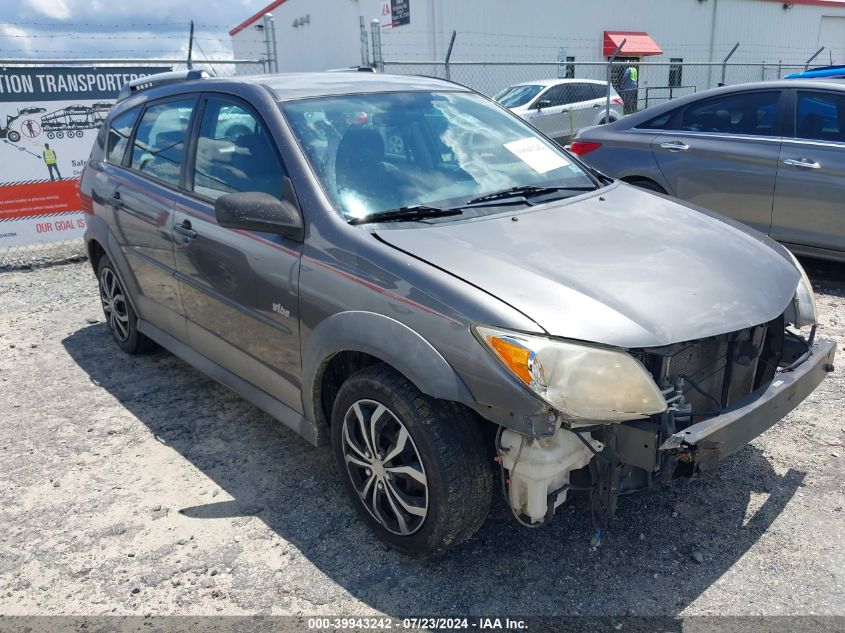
<point>159,79</point>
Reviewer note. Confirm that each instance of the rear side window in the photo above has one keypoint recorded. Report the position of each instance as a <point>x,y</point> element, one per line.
<point>597,91</point>
<point>820,116</point>
<point>749,113</point>
<point>119,132</point>
<point>160,140</point>
<point>234,153</point>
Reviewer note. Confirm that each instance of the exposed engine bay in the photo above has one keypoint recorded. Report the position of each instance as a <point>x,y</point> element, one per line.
<point>712,388</point>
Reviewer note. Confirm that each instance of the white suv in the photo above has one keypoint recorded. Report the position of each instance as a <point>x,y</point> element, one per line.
<point>562,107</point>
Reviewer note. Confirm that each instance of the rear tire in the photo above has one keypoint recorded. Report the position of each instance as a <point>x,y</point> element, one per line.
<point>419,477</point>
<point>120,316</point>
<point>647,184</point>
<point>14,136</point>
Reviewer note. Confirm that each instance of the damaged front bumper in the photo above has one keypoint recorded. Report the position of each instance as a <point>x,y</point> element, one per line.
<point>708,442</point>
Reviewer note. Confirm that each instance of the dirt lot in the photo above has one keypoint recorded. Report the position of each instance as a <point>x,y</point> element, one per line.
<point>134,485</point>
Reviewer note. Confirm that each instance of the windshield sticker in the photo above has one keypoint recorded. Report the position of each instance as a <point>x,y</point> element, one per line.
<point>536,154</point>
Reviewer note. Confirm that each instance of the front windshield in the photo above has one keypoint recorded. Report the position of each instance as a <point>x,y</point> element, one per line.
<point>380,152</point>
<point>516,96</point>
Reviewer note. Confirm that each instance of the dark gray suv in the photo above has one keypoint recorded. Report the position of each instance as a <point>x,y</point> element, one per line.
<point>402,268</point>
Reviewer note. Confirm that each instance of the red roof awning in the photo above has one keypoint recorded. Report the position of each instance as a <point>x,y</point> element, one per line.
<point>637,43</point>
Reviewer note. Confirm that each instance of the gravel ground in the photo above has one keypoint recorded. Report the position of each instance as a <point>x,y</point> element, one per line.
<point>135,485</point>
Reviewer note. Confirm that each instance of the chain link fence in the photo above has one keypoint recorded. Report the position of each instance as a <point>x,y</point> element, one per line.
<point>46,252</point>
<point>650,84</point>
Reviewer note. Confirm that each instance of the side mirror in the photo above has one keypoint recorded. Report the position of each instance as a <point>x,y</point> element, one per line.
<point>255,211</point>
<point>543,103</point>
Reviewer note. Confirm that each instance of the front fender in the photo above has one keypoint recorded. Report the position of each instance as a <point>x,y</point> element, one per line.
<point>386,339</point>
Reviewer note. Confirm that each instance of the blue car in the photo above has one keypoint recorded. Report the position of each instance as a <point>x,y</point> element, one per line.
<point>822,71</point>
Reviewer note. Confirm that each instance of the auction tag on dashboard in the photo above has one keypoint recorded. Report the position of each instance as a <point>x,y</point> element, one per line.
<point>536,154</point>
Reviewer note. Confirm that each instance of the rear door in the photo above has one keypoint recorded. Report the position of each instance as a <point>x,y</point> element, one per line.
<point>142,197</point>
<point>809,208</point>
<point>240,288</point>
<point>722,153</point>
<point>585,104</point>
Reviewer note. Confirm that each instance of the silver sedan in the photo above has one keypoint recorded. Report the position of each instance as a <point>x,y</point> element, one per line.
<point>769,154</point>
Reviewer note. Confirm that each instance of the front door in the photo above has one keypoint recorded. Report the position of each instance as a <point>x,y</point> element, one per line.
<point>808,207</point>
<point>722,154</point>
<point>240,288</point>
<point>556,119</point>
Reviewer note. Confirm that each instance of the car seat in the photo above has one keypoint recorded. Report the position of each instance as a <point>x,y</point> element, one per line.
<point>360,167</point>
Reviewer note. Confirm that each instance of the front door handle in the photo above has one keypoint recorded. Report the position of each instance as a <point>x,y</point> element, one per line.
<point>675,146</point>
<point>802,162</point>
<point>185,229</point>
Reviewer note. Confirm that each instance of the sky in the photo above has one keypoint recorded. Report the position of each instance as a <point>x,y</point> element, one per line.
<point>119,28</point>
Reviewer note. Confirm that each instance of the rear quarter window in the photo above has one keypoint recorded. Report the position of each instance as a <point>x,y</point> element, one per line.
<point>120,130</point>
<point>660,122</point>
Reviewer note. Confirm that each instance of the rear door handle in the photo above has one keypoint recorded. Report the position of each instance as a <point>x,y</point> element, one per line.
<point>802,162</point>
<point>675,146</point>
<point>185,229</point>
<point>115,200</point>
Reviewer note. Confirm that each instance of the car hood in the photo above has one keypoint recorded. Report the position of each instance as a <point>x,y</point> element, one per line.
<point>625,268</point>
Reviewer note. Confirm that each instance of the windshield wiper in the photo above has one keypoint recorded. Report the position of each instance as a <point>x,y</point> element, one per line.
<point>416,212</point>
<point>522,193</point>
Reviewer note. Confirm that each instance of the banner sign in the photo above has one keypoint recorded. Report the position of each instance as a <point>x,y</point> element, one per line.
<point>395,13</point>
<point>49,117</point>
<point>400,11</point>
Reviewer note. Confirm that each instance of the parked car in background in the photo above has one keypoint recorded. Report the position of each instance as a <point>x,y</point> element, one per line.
<point>472,307</point>
<point>822,72</point>
<point>561,107</point>
<point>770,154</point>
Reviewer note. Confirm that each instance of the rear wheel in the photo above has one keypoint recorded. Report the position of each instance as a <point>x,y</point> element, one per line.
<point>120,317</point>
<point>14,136</point>
<point>414,467</point>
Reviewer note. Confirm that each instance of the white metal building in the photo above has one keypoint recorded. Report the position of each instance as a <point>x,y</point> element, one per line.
<point>322,34</point>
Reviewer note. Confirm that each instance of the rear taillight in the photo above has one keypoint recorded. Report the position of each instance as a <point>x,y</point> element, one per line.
<point>617,101</point>
<point>579,148</point>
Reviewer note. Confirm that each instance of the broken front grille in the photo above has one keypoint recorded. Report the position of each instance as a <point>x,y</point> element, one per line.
<point>718,371</point>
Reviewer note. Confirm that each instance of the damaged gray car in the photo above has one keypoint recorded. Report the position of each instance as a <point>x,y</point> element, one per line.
<point>402,269</point>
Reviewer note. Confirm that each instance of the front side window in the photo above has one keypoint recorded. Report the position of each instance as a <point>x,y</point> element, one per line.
<point>160,140</point>
<point>516,96</point>
<point>749,113</point>
<point>559,95</point>
<point>234,153</point>
<point>120,131</point>
<point>820,116</point>
<point>379,152</point>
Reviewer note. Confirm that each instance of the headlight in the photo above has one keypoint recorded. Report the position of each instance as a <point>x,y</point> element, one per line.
<point>803,309</point>
<point>580,381</point>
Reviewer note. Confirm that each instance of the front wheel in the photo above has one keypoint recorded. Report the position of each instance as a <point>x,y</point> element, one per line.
<point>414,467</point>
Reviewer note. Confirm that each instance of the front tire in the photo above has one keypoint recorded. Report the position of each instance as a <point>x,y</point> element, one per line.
<point>414,467</point>
<point>120,316</point>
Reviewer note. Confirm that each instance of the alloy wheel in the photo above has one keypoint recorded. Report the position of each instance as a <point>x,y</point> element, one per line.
<point>385,467</point>
<point>114,304</point>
